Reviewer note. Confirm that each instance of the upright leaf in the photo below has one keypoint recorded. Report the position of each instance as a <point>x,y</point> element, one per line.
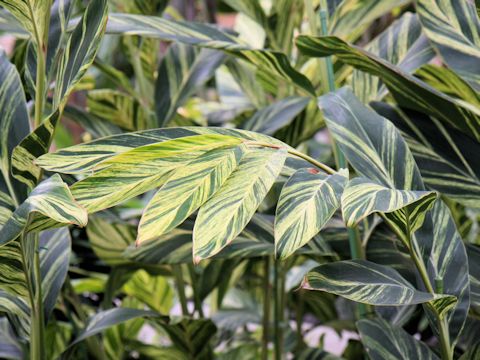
<point>453,28</point>
<point>385,341</point>
<point>186,190</point>
<point>307,201</point>
<point>225,215</point>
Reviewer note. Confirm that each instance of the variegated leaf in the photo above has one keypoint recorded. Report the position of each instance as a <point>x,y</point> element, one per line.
<point>51,198</point>
<point>385,341</point>
<point>401,44</point>
<point>14,126</point>
<point>80,50</point>
<point>134,172</point>
<point>251,8</point>
<point>186,190</point>
<point>453,28</point>
<point>473,253</point>
<point>182,70</point>
<point>83,158</point>
<point>275,64</point>
<point>352,17</point>
<point>277,115</point>
<point>32,14</point>
<point>226,214</point>
<point>401,208</point>
<point>365,282</point>
<point>407,90</point>
<point>307,201</point>
<point>118,108</point>
<point>445,156</point>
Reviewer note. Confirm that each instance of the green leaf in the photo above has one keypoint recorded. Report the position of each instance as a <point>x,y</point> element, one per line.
<point>50,198</point>
<point>32,14</point>
<point>384,341</point>
<point>271,63</point>
<point>186,190</point>
<point>445,156</point>
<point>14,126</point>
<point>154,291</point>
<point>473,253</point>
<point>307,201</point>
<point>118,108</point>
<point>108,318</point>
<point>225,214</point>
<point>401,44</point>
<point>277,115</point>
<point>362,197</point>
<point>352,17</point>
<point>80,50</point>
<point>141,169</point>
<point>109,239</point>
<point>10,348</point>
<point>182,70</point>
<point>453,28</point>
<point>407,90</point>
<point>251,8</point>
<point>365,282</point>
<point>471,353</point>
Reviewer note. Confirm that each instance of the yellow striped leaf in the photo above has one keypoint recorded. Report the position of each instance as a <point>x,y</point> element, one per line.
<point>407,90</point>
<point>453,28</point>
<point>51,198</point>
<point>186,190</point>
<point>362,197</point>
<point>307,201</point>
<point>225,214</point>
<point>136,171</point>
<point>366,282</point>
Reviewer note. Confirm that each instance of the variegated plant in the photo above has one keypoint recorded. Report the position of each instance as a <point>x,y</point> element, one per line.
<point>232,157</point>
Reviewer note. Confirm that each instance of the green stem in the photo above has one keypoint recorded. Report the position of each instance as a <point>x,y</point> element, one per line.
<point>196,295</point>
<point>180,283</point>
<point>278,333</point>
<point>266,308</point>
<point>294,152</point>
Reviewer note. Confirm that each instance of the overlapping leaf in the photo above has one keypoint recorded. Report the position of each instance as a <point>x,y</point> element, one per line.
<point>50,198</point>
<point>186,190</point>
<point>363,197</point>
<point>275,64</point>
<point>453,28</point>
<point>447,158</point>
<point>401,44</point>
<point>407,90</point>
<point>181,71</point>
<point>307,201</point>
<point>385,341</point>
<point>365,282</point>
<point>225,215</point>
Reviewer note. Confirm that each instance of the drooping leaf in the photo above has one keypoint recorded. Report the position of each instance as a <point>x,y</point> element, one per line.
<point>273,63</point>
<point>453,28</point>
<point>141,169</point>
<point>10,348</point>
<point>225,214</point>
<point>182,70</point>
<point>307,201</point>
<point>384,341</point>
<point>105,319</point>
<point>365,282</point>
<point>277,115</point>
<point>401,44</point>
<point>362,197</point>
<point>51,198</point>
<point>186,190</point>
<point>445,156</point>
<point>407,90</point>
